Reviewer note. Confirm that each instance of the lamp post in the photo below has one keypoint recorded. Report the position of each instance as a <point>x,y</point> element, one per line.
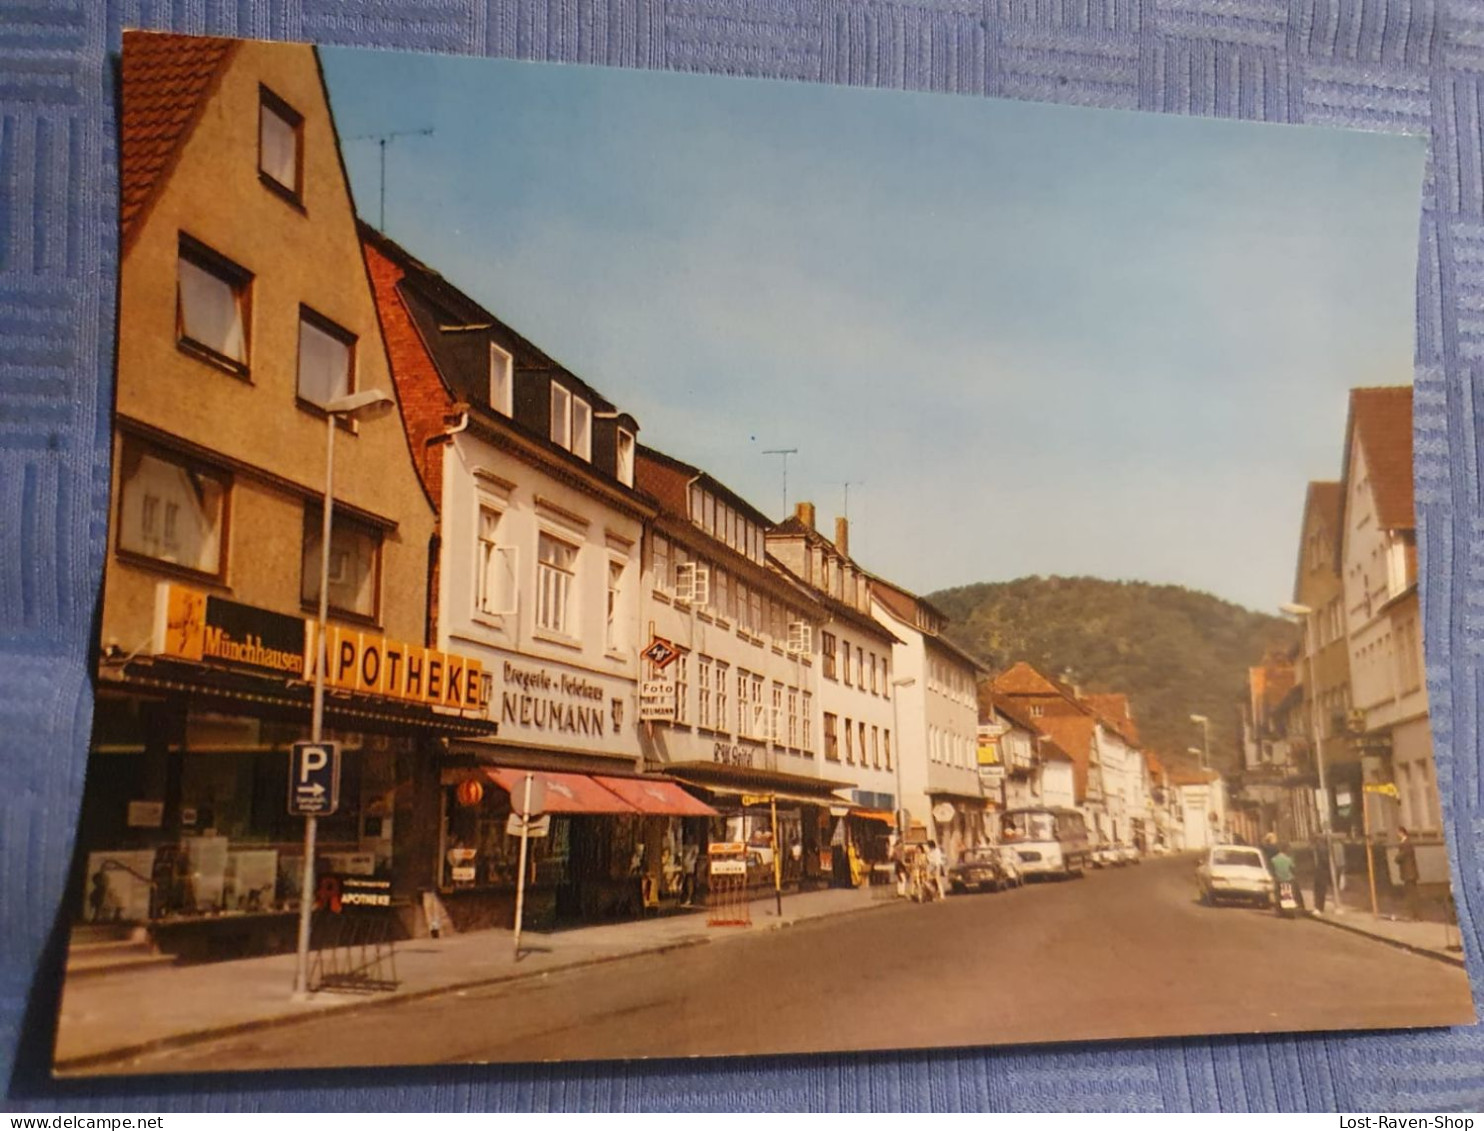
<point>1296,611</point>
<point>1205,724</point>
<point>367,402</point>
<point>898,684</point>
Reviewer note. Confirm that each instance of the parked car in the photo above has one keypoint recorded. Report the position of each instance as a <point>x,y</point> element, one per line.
<point>1128,854</point>
<point>978,869</point>
<point>1233,874</point>
<point>1106,856</point>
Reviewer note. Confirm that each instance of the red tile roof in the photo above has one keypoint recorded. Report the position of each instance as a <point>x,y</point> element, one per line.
<point>1381,423</point>
<point>165,80</point>
<point>1022,679</point>
<point>1072,734</point>
<point>1114,709</point>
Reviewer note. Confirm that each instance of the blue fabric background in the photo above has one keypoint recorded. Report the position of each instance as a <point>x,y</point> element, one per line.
<point>1416,67</point>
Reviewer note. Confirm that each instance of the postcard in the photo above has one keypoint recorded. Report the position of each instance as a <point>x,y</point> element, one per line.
<point>608,564</point>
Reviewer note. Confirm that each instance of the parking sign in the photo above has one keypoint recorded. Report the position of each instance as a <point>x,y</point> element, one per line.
<point>314,779</point>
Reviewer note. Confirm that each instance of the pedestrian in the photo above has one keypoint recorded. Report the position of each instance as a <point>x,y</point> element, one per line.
<point>1269,846</point>
<point>937,870</point>
<point>1406,867</point>
<point>1283,872</point>
<point>1321,872</point>
<point>899,866</point>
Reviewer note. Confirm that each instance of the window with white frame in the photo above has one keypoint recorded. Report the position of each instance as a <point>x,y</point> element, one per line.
<point>704,674</point>
<point>849,744</point>
<point>793,718</point>
<point>211,306</point>
<point>744,714</point>
<point>494,567</point>
<point>625,457</point>
<point>720,683</point>
<point>326,359</point>
<point>831,737</point>
<point>760,727</point>
<point>681,669</point>
<point>582,428</point>
<point>502,380</point>
<point>660,570</point>
<point>876,747</point>
<point>571,421</point>
<point>860,735</point>
<point>614,635</point>
<point>806,723</point>
<point>556,566</point>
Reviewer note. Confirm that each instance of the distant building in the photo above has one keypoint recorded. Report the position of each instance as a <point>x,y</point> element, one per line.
<point>856,701</point>
<point>1383,623</point>
<point>938,718</point>
<point>1323,671</point>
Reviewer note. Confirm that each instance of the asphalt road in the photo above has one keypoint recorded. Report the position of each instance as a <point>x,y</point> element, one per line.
<point>1120,953</point>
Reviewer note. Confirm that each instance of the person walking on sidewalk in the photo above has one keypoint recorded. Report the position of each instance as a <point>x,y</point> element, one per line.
<point>937,870</point>
<point>1406,867</point>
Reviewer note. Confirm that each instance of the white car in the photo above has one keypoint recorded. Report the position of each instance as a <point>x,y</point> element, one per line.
<point>1128,854</point>
<point>1232,874</point>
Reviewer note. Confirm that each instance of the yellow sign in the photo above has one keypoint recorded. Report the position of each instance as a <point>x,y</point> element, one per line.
<point>989,752</point>
<point>750,799</point>
<point>376,665</point>
<point>1383,787</point>
<point>191,625</point>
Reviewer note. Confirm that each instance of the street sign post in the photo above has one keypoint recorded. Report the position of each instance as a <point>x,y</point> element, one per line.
<point>525,818</point>
<point>314,779</point>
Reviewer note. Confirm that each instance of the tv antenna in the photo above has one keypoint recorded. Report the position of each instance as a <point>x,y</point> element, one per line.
<point>381,140</point>
<point>849,483</point>
<point>785,453</point>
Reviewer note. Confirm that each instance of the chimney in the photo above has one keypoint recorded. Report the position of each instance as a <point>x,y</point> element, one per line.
<point>805,513</point>
<point>842,536</point>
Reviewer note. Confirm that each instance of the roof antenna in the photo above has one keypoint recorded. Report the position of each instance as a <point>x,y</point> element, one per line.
<point>785,453</point>
<point>381,140</point>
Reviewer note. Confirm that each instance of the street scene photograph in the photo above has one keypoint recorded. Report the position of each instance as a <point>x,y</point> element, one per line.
<point>611,564</point>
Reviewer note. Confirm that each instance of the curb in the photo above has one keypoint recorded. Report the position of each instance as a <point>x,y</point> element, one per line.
<point>1423,951</point>
<point>76,1065</point>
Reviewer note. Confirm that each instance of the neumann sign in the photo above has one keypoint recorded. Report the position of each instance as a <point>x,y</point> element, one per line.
<point>558,703</point>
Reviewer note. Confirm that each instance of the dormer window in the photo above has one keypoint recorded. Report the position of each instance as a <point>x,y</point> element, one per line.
<point>280,145</point>
<point>502,370</point>
<point>625,468</point>
<point>571,422</point>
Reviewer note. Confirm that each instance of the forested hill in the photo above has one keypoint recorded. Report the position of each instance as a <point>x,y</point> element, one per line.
<point>1173,651</point>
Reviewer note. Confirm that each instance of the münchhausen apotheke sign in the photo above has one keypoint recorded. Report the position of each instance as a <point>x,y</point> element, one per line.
<point>198,626</point>
<point>192,625</point>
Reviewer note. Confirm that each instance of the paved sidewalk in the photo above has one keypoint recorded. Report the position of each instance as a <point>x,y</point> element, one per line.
<point>108,1016</point>
<point>1434,939</point>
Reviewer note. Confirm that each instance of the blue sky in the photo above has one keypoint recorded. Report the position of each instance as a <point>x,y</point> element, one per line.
<point>1033,339</point>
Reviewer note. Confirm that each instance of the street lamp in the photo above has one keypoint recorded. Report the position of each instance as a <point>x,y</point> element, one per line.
<point>1297,611</point>
<point>1205,751</point>
<point>367,403</point>
<point>901,749</point>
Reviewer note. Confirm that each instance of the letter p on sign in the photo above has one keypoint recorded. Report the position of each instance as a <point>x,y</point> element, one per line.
<point>314,779</point>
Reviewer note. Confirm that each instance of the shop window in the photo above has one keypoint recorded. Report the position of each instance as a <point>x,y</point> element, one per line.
<point>280,145</point>
<point>326,359</point>
<point>556,566</point>
<point>172,511</point>
<point>211,306</point>
<point>355,564</point>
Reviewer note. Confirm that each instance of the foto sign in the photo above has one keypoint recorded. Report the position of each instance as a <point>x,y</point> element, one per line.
<point>657,700</point>
<point>314,779</point>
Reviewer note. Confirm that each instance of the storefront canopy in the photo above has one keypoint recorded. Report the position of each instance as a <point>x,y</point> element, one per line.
<point>650,795</point>
<point>565,793</point>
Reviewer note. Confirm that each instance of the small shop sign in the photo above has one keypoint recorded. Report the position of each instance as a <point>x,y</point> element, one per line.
<point>657,700</point>
<point>660,652</point>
